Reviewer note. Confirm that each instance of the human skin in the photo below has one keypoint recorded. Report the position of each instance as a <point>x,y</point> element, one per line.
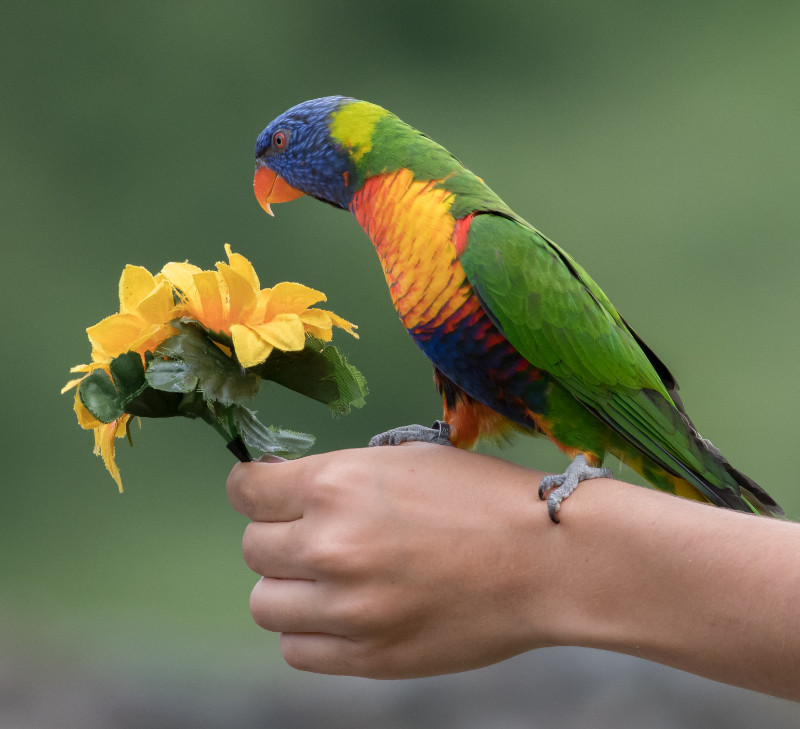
<point>416,560</point>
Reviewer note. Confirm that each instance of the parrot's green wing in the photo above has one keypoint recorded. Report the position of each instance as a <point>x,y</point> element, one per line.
<point>552,312</point>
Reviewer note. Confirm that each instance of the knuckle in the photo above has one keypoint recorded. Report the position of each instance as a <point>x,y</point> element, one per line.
<point>260,609</point>
<point>257,607</point>
<point>334,483</point>
<point>292,650</point>
<point>338,553</point>
<point>359,615</point>
<point>326,555</point>
<point>351,659</point>
<point>368,660</point>
<point>249,495</point>
<point>243,493</point>
<point>251,550</point>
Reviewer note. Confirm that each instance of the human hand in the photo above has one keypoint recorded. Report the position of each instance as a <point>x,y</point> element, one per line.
<point>413,560</point>
<point>397,561</point>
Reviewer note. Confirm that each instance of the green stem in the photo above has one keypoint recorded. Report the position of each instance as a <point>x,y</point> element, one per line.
<point>239,449</point>
<point>233,440</point>
<point>236,444</point>
<point>209,416</point>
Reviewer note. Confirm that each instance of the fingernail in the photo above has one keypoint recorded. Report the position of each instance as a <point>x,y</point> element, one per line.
<point>267,458</point>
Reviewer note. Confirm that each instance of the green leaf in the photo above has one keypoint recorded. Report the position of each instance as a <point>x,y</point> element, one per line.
<point>351,383</point>
<point>100,397</point>
<point>199,363</point>
<point>107,398</point>
<point>318,371</point>
<point>267,438</point>
<point>150,403</point>
<point>193,405</point>
<point>128,392</point>
<point>128,373</point>
<point>172,376</point>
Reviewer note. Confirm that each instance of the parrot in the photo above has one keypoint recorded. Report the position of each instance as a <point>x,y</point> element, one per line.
<point>521,338</point>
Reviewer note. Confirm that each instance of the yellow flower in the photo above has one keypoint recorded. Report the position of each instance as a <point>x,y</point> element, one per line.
<point>231,302</point>
<point>146,307</point>
<point>228,302</point>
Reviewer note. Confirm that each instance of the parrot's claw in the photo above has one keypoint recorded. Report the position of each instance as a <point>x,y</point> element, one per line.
<point>439,433</point>
<point>577,471</point>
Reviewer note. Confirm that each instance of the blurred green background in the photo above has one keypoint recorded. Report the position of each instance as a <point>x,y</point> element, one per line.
<point>657,142</point>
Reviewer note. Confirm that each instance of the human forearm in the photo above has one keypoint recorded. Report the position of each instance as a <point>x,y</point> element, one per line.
<point>702,589</point>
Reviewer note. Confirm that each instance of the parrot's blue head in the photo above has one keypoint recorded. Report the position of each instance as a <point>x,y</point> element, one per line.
<point>296,155</point>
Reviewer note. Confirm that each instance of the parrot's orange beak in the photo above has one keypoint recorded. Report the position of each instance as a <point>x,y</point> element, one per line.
<point>272,188</point>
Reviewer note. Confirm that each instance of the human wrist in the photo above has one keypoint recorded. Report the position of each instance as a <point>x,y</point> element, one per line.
<point>594,559</point>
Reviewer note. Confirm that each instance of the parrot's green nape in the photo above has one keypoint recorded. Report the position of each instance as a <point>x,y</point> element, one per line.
<point>520,337</point>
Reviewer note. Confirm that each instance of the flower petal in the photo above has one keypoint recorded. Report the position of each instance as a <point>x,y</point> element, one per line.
<point>241,294</point>
<point>150,338</point>
<point>337,321</point>
<point>86,368</point>
<point>262,297</point>
<point>250,348</point>
<point>181,276</point>
<point>290,298</point>
<point>317,323</point>
<point>242,266</point>
<point>134,285</point>
<point>112,336</point>
<point>72,383</point>
<point>158,306</point>
<point>285,332</point>
<point>208,285</point>
<point>104,445</point>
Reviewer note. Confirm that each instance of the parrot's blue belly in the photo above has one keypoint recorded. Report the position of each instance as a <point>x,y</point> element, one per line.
<point>475,356</point>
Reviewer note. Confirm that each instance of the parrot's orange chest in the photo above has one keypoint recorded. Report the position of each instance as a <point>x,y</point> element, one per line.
<point>410,225</point>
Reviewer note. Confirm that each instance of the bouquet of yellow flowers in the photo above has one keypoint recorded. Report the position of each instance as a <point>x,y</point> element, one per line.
<point>197,344</point>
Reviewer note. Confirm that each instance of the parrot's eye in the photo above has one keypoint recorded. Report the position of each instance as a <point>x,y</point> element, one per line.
<point>279,140</point>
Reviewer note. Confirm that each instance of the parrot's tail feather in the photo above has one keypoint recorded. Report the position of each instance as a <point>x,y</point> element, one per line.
<point>743,487</point>
<point>758,499</point>
<point>730,486</point>
<point>685,463</point>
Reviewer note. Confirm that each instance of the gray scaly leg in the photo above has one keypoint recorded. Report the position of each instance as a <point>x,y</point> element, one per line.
<point>439,433</point>
<point>579,470</point>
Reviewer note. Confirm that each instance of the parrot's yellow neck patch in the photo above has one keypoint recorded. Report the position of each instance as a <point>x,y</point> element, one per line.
<point>354,124</point>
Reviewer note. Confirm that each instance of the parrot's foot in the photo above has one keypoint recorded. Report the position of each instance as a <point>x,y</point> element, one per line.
<point>579,470</point>
<point>439,433</point>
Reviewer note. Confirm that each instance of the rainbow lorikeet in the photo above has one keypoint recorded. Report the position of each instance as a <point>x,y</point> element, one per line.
<point>521,338</point>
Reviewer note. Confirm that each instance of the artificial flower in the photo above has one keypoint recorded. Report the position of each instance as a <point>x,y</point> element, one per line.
<point>146,306</point>
<point>230,302</point>
<point>181,345</point>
